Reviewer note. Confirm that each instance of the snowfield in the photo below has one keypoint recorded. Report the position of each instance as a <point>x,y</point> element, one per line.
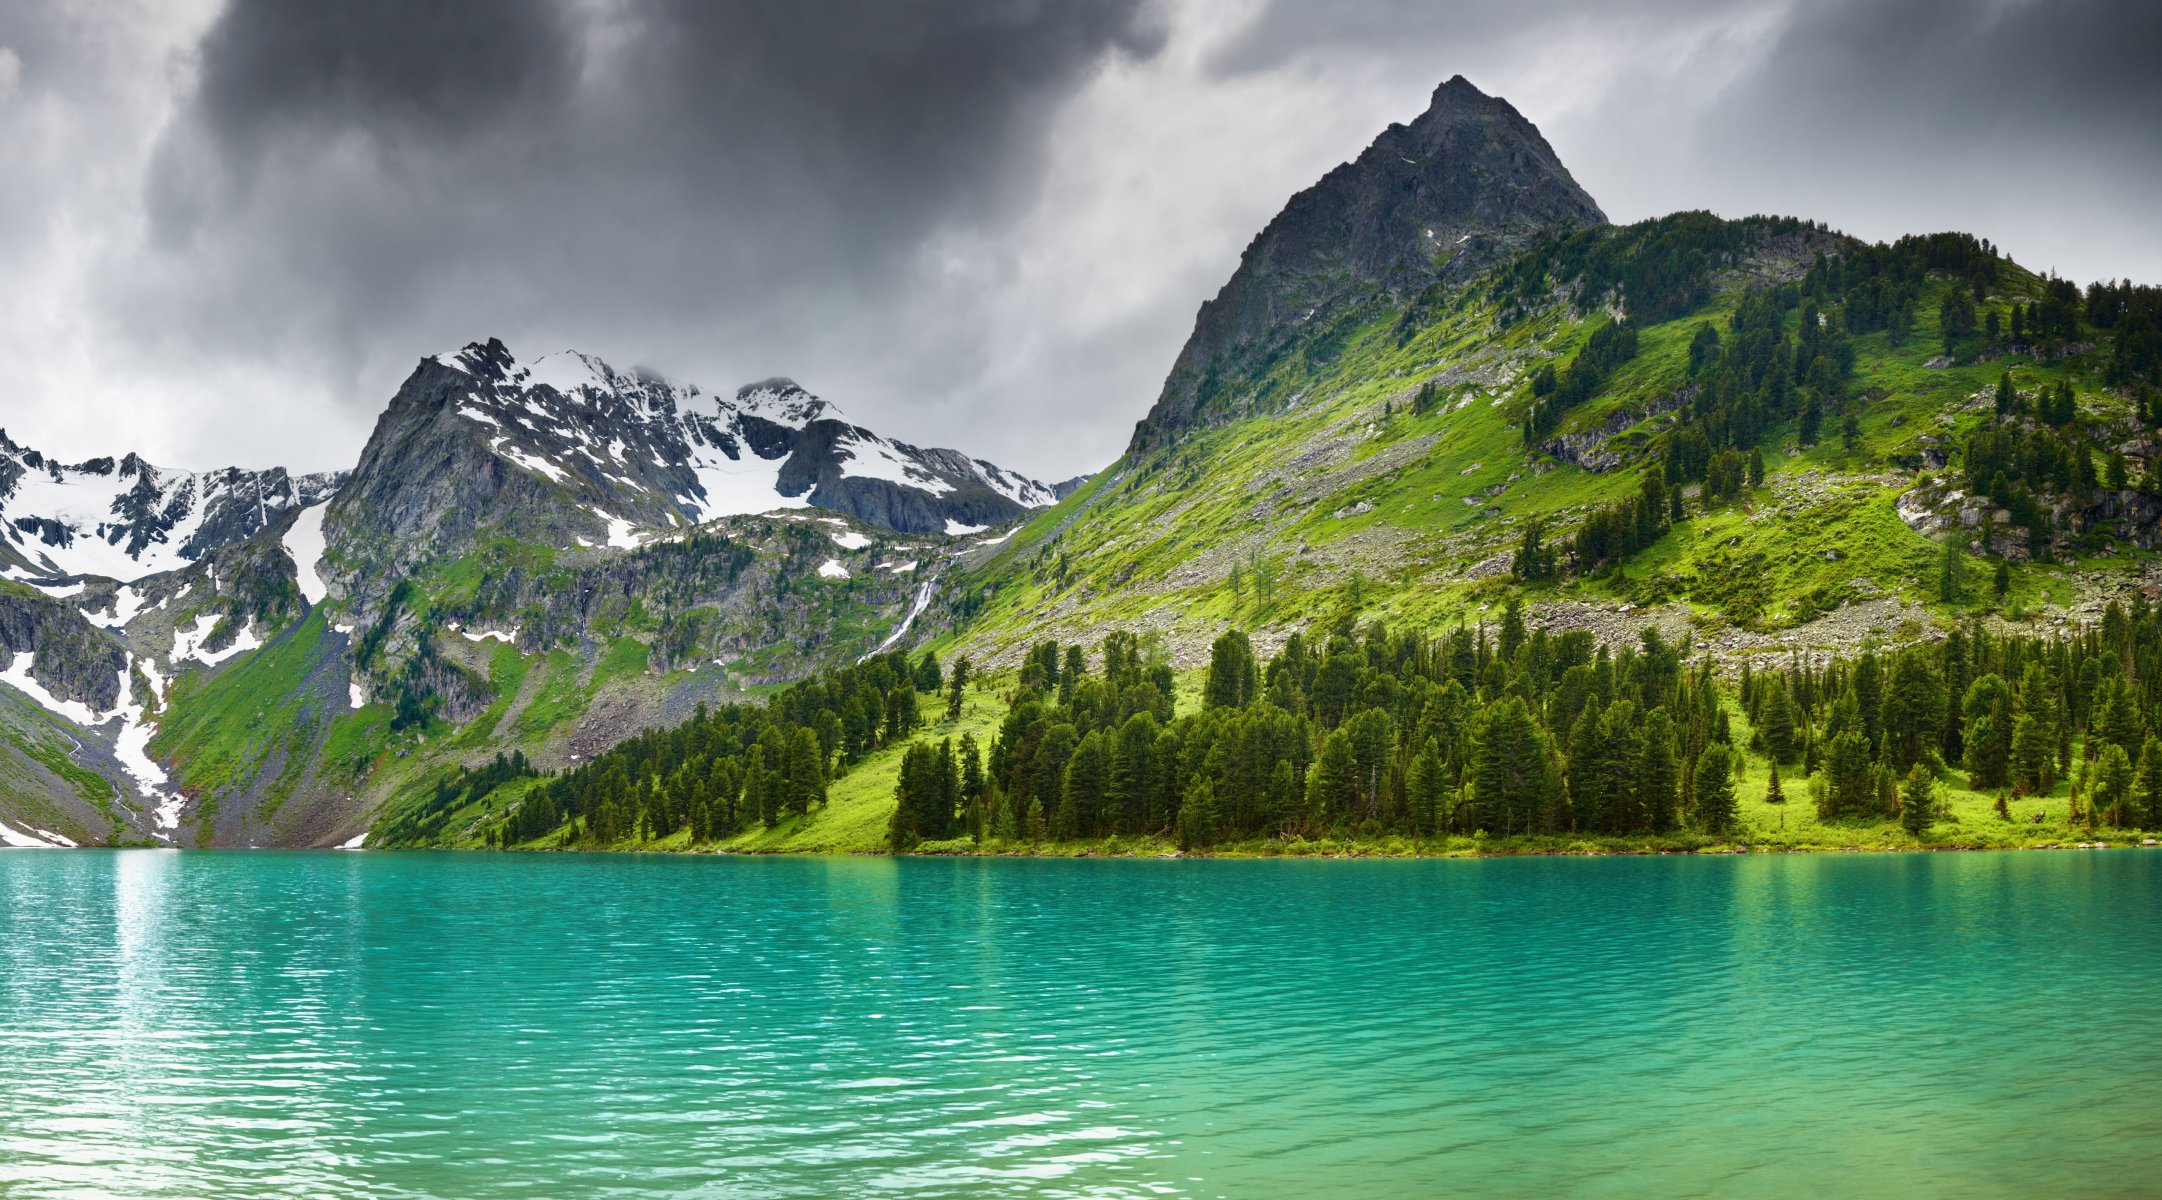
<point>304,542</point>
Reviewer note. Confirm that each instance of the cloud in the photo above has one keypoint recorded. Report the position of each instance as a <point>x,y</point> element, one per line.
<point>722,191</point>
<point>231,228</point>
<point>2013,119</point>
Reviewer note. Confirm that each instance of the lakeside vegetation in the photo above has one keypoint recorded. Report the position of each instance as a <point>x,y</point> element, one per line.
<point>1384,741</point>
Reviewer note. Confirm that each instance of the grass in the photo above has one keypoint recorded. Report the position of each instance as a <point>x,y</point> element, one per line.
<point>219,730</point>
<point>1334,477</point>
<point>860,803</point>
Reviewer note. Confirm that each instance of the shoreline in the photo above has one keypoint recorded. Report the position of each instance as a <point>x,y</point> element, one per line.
<point>1331,850</point>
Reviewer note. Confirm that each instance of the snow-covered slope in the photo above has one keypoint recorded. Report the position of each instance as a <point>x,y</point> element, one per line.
<point>643,452</point>
<point>124,519</point>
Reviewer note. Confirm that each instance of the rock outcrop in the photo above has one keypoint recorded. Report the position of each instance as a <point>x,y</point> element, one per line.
<point>1436,200</point>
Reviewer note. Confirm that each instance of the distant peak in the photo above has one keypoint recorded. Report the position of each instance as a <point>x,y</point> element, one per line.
<point>779,383</point>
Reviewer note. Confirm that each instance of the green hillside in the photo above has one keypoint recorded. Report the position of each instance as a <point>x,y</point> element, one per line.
<point>1386,468</point>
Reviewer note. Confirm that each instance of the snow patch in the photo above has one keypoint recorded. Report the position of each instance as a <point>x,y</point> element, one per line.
<point>850,540</point>
<point>619,532</point>
<point>956,529</point>
<point>566,371</point>
<point>61,592</point>
<point>898,568</point>
<point>537,465</point>
<point>188,643</point>
<point>738,487</point>
<point>488,635</point>
<point>356,695</point>
<point>875,458</point>
<point>356,842</point>
<point>18,676</point>
<point>304,542</point>
<point>832,569</point>
<point>11,836</point>
<point>132,748</point>
<point>127,604</point>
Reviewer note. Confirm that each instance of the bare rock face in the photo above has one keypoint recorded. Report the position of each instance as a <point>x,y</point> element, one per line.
<point>125,518</point>
<point>566,450</point>
<point>1436,200</point>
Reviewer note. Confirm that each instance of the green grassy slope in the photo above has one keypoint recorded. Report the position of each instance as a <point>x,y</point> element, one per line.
<point>1338,495</point>
<point>854,820</point>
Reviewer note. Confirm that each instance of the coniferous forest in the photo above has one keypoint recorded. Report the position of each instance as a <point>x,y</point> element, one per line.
<point>1497,732</point>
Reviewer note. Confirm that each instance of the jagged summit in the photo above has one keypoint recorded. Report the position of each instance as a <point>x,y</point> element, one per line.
<point>126,518</point>
<point>569,450</point>
<point>1438,199</point>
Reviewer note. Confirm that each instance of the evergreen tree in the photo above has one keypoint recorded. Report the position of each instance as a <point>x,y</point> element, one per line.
<point>1509,768</point>
<point>1952,571</point>
<point>1427,787</point>
<point>957,688</point>
<point>806,772</point>
<point>1713,785</point>
<point>2112,786</point>
<point>1332,783</point>
<point>2147,785</point>
<point>1918,801</point>
<point>2034,754</point>
<point>1232,675</point>
<point>1658,772</point>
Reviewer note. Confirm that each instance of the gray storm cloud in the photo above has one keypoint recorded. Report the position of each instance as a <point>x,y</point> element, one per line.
<point>232,228</point>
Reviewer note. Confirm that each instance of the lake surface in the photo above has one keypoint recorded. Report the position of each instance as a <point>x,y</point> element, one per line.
<point>401,1025</point>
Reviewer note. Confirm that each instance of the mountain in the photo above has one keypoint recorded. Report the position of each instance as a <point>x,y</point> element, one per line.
<point>1766,442</point>
<point>548,556</point>
<point>570,451</point>
<point>124,519</point>
<point>1754,435</point>
<point>1437,200</point>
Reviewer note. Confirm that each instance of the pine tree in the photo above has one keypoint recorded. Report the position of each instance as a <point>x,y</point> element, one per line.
<point>2112,789</point>
<point>1918,801</point>
<point>1332,783</point>
<point>1426,786</point>
<point>1776,720</point>
<point>1658,772</point>
<point>2034,754</point>
<point>1232,674</point>
<point>957,688</point>
<point>1197,815</point>
<point>2147,786</point>
<point>1509,768</point>
<point>1773,793</point>
<point>1714,788</point>
<point>1952,570</point>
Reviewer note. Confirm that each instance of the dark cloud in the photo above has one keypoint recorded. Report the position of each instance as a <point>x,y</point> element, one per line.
<point>2016,119</point>
<point>231,229</point>
<point>742,188</point>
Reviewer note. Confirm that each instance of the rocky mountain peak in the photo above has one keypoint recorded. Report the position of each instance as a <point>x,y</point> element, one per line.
<point>124,518</point>
<point>568,450</point>
<point>1438,199</point>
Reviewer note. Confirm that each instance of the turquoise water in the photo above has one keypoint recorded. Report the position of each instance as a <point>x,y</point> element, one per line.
<point>245,1024</point>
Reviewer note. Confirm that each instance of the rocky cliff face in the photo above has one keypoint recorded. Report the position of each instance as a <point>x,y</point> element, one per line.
<point>1436,200</point>
<point>568,451</point>
<point>124,518</point>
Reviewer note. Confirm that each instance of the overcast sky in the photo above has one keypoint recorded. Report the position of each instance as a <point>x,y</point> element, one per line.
<point>228,230</point>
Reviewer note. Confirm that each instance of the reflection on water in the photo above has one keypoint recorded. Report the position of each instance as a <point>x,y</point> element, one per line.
<point>207,1025</point>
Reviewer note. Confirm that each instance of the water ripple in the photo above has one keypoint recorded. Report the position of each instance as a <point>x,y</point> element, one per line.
<point>378,1025</point>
